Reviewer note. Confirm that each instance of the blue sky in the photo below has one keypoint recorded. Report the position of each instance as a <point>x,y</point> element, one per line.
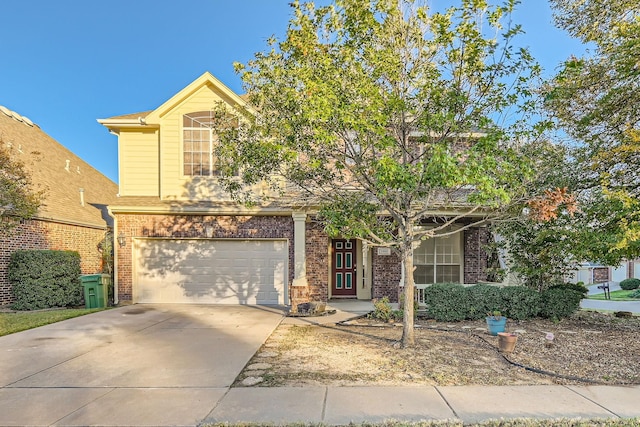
<point>66,63</point>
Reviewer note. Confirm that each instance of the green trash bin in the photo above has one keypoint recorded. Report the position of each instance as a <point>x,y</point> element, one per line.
<point>96,290</point>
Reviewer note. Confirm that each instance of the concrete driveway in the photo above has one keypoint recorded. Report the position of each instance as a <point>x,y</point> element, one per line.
<point>135,365</point>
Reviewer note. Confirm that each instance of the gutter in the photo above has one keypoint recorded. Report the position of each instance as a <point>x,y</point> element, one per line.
<point>67,222</point>
<point>198,210</point>
<point>115,125</point>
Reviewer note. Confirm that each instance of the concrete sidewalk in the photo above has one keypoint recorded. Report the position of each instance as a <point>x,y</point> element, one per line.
<point>467,404</point>
<point>173,365</point>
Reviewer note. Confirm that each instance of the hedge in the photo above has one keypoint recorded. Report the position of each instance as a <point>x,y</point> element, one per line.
<point>484,299</point>
<point>45,279</point>
<point>630,284</point>
<point>520,302</point>
<point>448,302</point>
<point>559,303</point>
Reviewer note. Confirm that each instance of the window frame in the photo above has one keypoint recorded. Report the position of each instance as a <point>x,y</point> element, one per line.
<point>212,159</point>
<point>459,247</point>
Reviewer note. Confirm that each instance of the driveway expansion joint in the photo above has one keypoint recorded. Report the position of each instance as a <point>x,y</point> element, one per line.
<point>455,414</point>
<point>592,401</point>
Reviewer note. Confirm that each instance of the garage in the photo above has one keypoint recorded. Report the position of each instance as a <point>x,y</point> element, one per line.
<point>206,271</point>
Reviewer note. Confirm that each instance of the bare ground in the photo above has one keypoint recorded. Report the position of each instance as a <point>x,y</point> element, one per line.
<point>588,347</point>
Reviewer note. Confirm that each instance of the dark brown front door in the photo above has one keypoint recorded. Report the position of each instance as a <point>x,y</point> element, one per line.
<point>343,268</point>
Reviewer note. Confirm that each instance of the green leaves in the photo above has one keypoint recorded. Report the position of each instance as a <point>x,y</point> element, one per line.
<point>390,100</point>
<point>19,199</point>
<point>595,100</point>
<point>381,114</point>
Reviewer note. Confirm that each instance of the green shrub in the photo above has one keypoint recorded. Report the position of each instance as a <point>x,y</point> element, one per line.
<point>635,294</point>
<point>579,287</point>
<point>447,302</point>
<point>559,303</point>
<point>630,284</point>
<point>45,279</point>
<point>520,302</point>
<point>483,299</point>
<point>382,310</point>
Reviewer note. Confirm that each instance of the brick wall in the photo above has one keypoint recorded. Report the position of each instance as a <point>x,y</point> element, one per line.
<point>600,274</point>
<point>190,226</point>
<point>475,254</point>
<point>35,234</point>
<point>317,256</point>
<point>386,272</point>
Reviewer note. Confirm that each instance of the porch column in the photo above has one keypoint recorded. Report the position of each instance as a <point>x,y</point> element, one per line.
<point>299,249</point>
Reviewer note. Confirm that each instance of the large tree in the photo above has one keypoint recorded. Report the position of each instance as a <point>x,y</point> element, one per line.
<point>393,120</point>
<point>19,199</point>
<point>596,99</point>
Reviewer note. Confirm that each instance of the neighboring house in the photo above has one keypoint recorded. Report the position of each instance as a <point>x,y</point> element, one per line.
<point>590,273</point>
<point>182,240</point>
<point>74,212</point>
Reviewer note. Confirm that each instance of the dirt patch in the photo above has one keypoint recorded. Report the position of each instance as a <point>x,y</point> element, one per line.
<point>589,346</point>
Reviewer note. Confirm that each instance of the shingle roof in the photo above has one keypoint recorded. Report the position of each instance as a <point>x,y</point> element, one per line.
<point>60,172</point>
<point>142,114</point>
<point>154,203</point>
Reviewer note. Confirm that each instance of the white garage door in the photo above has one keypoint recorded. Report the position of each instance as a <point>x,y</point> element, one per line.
<point>210,271</point>
<point>620,273</point>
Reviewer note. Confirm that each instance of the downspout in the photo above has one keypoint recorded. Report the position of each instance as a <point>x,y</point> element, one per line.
<point>115,256</point>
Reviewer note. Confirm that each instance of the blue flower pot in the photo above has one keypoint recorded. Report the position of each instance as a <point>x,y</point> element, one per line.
<point>496,325</point>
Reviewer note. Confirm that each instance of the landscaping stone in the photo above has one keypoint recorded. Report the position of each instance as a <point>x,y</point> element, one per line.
<point>267,354</point>
<point>255,366</point>
<point>249,381</point>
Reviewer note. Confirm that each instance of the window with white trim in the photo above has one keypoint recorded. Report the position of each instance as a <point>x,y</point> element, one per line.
<point>198,142</point>
<point>439,260</point>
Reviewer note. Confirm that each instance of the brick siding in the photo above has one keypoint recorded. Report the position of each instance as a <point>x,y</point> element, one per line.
<point>386,270</point>
<point>600,274</point>
<point>36,234</point>
<point>475,254</point>
<point>317,257</point>
<point>386,275</point>
<point>191,226</point>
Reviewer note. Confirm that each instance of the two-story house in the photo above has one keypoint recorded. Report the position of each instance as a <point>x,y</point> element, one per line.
<point>73,215</point>
<point>183,240</point>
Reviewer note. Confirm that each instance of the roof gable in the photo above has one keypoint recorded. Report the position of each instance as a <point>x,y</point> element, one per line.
<point>205,80</point>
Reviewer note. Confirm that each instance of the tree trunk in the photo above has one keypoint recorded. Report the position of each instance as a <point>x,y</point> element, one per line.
<point>408,335</point>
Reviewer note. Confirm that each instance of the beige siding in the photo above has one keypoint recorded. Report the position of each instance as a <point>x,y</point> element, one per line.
<point>173,183</point>
<point>139,162</point>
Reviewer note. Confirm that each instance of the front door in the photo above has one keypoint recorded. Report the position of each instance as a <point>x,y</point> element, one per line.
<point>343,268</point>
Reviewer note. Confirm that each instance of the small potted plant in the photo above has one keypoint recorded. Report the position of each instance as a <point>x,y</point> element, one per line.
<point>496,322</point>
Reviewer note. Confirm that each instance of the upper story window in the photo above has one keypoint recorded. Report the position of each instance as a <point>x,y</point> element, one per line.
<point>198,142</point>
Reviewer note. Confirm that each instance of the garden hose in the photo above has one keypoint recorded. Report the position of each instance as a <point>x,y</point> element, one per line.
<point>519,365</point>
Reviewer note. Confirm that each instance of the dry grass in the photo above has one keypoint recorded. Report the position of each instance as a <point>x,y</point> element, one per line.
<point>590,346</point>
